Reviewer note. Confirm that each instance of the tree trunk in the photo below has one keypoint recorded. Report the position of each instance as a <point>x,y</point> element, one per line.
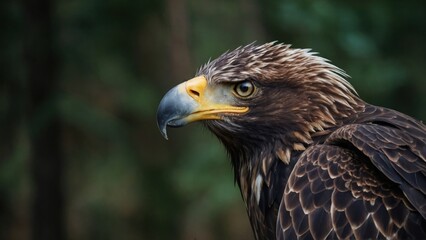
<point>44,124</point>
<point>179,46</point>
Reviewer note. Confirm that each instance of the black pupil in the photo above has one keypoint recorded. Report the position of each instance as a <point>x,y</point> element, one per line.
<point>244,87</point>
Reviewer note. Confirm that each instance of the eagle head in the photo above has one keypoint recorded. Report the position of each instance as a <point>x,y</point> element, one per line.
<point>258,95</point>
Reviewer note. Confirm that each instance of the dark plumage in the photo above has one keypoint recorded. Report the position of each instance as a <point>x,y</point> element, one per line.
<point>312,160</point>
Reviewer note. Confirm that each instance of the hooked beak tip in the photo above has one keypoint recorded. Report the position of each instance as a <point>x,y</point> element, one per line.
<point>173,108</point>
<point>164,133</point>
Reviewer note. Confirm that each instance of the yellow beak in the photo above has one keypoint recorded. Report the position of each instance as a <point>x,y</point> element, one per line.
<point>192,101</point>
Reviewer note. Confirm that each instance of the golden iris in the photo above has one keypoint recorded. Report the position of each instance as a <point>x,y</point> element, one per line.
<point>244,88</point>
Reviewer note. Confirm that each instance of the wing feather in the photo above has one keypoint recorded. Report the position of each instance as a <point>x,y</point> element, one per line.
<point>338,191</point>
<point>395,153</point>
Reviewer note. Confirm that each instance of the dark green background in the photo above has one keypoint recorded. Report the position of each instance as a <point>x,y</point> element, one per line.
<point>81,81</point>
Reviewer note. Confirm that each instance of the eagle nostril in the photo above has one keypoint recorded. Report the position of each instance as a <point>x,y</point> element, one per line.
<point>195,87</point>
<point>194,93</point>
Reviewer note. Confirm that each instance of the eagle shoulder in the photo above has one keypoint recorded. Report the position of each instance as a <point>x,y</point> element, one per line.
<point>365,181</point>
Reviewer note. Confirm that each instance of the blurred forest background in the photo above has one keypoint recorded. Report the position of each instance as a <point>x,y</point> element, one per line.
<point>80,153</point>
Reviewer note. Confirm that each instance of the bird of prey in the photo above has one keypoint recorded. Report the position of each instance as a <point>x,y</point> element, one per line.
<point>311,158</point>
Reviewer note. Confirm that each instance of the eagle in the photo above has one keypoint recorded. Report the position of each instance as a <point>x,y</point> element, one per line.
<point>311,158</point>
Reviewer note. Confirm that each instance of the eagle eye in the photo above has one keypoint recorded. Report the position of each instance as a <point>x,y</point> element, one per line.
<point>244,89</point>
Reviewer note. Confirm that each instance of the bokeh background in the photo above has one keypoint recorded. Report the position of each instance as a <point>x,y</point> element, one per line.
<point>80,153</point>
